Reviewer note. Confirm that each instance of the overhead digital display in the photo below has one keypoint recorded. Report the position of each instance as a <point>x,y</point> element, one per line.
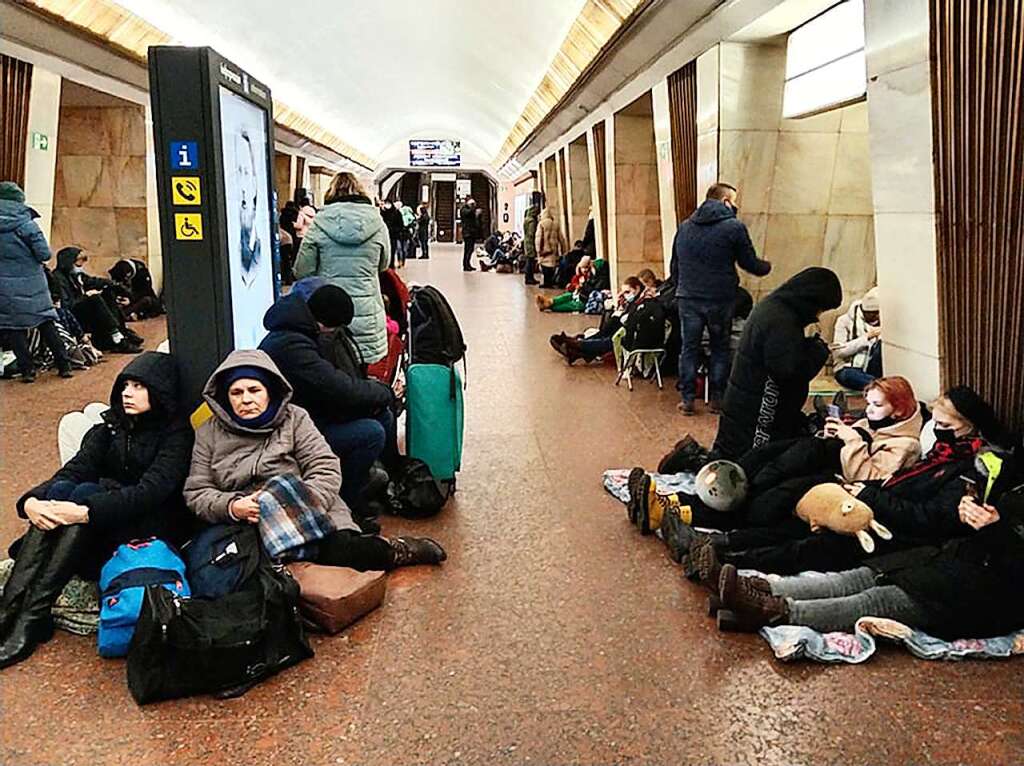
<point>246,199</point>
<point>429,153</point>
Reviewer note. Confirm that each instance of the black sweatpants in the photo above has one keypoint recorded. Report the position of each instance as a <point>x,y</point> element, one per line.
<point>17,340</point>
<point>348,548</point>
<point>99,319</point>
<point>549,276</point>
<point>468,243</point>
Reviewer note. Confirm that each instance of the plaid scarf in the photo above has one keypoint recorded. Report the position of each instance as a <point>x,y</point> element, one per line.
<point>291,519</point>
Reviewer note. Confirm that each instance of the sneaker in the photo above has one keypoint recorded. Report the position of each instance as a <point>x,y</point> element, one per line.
<point>65,374</point>
<point>126,347</point>
<point>686,407</point>
<point>29,377</point>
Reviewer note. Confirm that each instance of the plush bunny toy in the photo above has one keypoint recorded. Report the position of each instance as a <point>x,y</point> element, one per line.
<point>829,506</point>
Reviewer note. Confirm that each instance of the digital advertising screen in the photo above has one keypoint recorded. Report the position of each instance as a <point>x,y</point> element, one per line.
<point>247,202</point>
<point>431,153</point>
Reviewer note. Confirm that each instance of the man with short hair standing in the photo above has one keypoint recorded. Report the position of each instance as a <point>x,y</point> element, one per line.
<point>707,248</point>
<point>470,232</point>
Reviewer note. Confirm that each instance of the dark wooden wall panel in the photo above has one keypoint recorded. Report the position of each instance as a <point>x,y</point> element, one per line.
<point>600,161</point>
<point>15,92</point>
<point>682,104</point>
<point>977,97</point>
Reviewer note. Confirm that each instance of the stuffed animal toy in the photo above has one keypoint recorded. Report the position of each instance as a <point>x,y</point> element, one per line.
<point>829,506</point>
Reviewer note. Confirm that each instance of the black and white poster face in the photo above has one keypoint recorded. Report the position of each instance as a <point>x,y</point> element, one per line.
<point>250,248</point>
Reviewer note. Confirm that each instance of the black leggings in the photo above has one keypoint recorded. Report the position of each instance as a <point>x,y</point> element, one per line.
<point>18,342</point>
<point>348,548</point>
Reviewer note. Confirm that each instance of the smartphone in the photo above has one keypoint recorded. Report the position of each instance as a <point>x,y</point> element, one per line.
<point>970,487</point>
<point>834,411</point>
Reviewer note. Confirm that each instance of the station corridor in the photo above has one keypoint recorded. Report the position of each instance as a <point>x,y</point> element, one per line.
<point>552,635</point>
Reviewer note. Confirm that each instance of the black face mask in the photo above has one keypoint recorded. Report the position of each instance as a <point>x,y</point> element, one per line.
<point>881,422</point>
<point>945,435</point>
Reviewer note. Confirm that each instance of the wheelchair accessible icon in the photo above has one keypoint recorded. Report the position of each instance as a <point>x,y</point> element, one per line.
<point>188,226</point>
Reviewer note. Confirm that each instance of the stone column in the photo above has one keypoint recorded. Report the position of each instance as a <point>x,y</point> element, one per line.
<point>666,170</point>
<point>40,162</point>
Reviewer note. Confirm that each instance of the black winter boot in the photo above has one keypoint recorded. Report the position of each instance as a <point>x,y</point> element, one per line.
<point>33,623</point>
<point>411,551</point>
<point>686,456</point>
<point>33,553</point>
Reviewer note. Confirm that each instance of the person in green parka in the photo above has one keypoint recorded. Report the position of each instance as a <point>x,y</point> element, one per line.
<point>530,221</point>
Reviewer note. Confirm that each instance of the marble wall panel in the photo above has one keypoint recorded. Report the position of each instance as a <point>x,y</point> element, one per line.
<point>634,140</point>
<point>855,118</point>
<point>579,184</point>
<point>748,162</point>
<point>896,34</point>
<point>82,133</point>
<point>707,162</point>
<point>132,234</point>
<point>129,177</point>
<point>899,105</point>
<point>92,228</point>
<point>84,181</point>
<point>792,243</point>
<point>751,83</point>
<point>826,122</point>
<point>851,181</point>
<point>41,165</point>
<point>850,252</point>
<point>127,130</point>
<point>707,91</point>
<point>924,371</point>
<point>804,164</point>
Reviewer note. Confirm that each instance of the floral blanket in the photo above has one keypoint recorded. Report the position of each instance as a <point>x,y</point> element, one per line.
<point>616,482</point>
<point>794,642</point>
<point>78,607</point>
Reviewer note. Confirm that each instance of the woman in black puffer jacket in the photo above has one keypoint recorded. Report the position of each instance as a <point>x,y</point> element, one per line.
<point>775,363</point>
<point>124,484</point>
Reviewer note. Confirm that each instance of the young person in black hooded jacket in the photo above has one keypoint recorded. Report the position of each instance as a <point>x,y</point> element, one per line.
<point>124,484</point>
<point>775,363</point>
<point>309,343</point>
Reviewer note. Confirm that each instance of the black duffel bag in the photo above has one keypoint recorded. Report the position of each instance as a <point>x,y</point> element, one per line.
<point>221,646</point>
<point>414,493</point>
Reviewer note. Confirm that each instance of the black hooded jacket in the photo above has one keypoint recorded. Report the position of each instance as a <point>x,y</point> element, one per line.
<point>774,364</point>
<point>332,392</point>
<point>71,287</point>
<point>141,460</point>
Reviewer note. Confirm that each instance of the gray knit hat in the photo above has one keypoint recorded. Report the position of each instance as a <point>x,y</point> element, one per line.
<point>11,191</point>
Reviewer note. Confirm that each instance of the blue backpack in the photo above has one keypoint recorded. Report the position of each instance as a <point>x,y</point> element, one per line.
<point>123,582</point>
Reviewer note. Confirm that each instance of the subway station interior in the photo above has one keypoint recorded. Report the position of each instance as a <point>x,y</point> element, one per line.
<point>563,382</point>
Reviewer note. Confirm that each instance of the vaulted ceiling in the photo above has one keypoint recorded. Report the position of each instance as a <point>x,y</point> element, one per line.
<point>378,73</point>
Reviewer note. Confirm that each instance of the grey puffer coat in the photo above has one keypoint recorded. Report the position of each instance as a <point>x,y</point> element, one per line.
<point>348,245</point>
<point>24,295</point>
<point>230,460</point>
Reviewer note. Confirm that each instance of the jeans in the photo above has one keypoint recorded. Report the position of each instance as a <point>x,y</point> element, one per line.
<point>694,316</point>
<point>75,493</point>
<point>424,238</point>
<point>348,548</point>
<point>358,443</point>
<point>857,379</point>
<point>18,342</point>
<point>836,600</point>
<point>595,347</point>
<point>468,243</point>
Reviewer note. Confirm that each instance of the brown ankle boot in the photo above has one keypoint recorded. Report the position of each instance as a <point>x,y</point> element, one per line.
<point>543,302</point>
<point>746,603</point>
<point>704,566</point>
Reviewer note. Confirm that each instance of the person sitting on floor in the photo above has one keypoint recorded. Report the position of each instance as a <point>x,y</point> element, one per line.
<point>95,302</point>
<point>133,276</point>
<point>310,344</point>
<point>775,363</point>
<point>256,435</point>
<point>857,343</point>
<point>124,484</point>
<point>589,348</point>
<point>778,474</point>
<point>918,504</point>
<point>967,588</point>
<point>573,300</point>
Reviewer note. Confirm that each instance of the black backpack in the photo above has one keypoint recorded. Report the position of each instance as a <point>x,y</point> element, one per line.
<point>221,646</point>
<point>220,558</point>
<point>435,332</point>
<point>645,326</point>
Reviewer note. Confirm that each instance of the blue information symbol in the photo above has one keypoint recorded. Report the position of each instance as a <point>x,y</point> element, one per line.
<point>184,155</point>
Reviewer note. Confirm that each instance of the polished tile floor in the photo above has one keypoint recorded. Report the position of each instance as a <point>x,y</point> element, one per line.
<point>554,634</point>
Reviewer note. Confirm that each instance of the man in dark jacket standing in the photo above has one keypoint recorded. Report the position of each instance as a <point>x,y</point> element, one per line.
<point>706,250</point>
<point>350,410</point>
<point>775,363</point>
<point>470,232</point>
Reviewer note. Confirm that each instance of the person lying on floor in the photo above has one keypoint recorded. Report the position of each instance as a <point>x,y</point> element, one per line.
<point>778,474</point>
<point>774,365</point>
<point>589,348</point>
<point>573,300</point>
<point>968,588</point>
<point>95,302</point>
<point>257,436</point>
<point>311,346</point>
<point>918,504</point>
<point>124,484</point>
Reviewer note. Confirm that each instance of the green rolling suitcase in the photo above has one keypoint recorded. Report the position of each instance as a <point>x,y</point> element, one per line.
<point>434,418</point>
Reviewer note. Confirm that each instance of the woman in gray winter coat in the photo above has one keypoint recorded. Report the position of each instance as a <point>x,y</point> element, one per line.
<point>25,301</point>
<point>257,435</point>
<point>348,245</point>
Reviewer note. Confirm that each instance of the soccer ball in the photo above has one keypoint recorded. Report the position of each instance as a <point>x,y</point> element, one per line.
<point>721,485</point>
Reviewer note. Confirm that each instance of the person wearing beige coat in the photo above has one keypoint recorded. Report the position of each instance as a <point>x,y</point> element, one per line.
<point>551,245</point>
<point>254,435</point>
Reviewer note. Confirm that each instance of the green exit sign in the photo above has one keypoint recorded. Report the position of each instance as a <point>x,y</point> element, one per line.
<point>40,141</point>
